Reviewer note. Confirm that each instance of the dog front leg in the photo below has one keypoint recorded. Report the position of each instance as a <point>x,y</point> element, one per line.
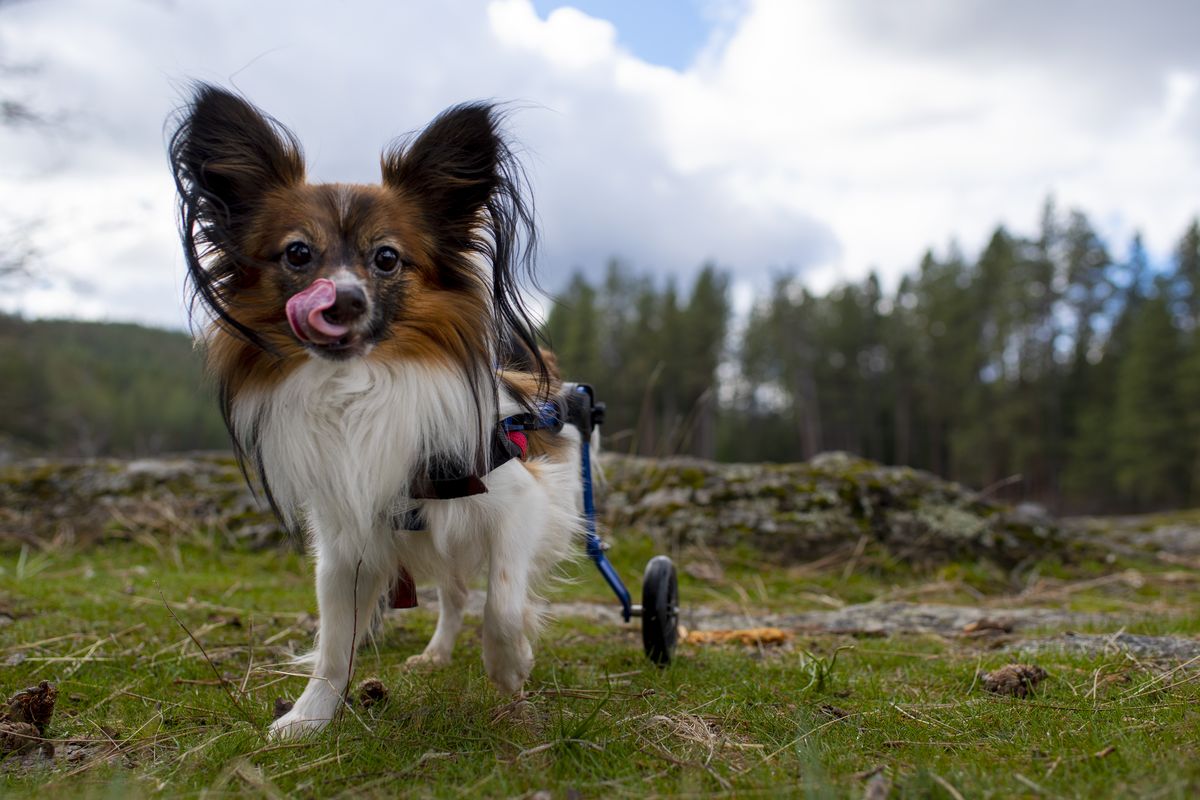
<point>348,594</point>
<point>507,652</point>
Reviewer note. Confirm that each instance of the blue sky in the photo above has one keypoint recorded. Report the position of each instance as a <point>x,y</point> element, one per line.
<point>670,33</point>
<point>823,138</point>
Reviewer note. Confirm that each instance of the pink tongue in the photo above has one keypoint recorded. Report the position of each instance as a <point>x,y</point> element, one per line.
<point>306,313</point>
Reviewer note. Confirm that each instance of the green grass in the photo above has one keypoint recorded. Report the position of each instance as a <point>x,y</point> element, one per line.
<point>141,713</point>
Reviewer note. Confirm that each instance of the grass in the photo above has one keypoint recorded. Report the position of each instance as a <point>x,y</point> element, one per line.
<point>141,711</point>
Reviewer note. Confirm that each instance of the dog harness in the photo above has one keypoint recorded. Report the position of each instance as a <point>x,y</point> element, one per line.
<point>444,479</point>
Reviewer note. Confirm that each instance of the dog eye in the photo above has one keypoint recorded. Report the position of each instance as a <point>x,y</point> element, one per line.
<point>386,259</point>
<point>298,254</point>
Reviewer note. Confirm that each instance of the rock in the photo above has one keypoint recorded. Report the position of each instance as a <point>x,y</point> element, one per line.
<point>797,512</point>
<point>1174,533</point>
<point>1167,648</point>
<point>82,500</point>
<point>879,787</point>
<point>793,512</point>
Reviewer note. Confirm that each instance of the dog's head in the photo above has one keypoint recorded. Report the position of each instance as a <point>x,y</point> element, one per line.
<point>424,265</point>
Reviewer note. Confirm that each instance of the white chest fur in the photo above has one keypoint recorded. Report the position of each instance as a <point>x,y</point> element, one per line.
<point>341,441</point>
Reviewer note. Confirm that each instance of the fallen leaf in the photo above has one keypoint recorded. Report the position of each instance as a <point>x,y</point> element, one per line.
<point>746,636</point>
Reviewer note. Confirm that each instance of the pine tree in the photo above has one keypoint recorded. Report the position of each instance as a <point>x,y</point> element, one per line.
<point>1152,458</point>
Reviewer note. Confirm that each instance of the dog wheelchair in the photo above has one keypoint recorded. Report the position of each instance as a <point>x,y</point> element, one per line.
<point>659,609</point>
<point>577,406</point>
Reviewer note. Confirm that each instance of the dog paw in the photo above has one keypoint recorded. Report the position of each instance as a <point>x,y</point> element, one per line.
<point>293,726</point>
<point>509,667</point>
<point>427,660</point>
<point>311,713</point>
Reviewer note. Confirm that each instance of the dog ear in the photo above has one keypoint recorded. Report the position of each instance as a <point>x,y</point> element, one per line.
<point>227,155</point>
<point>451,168</point>
<point>473,190</point>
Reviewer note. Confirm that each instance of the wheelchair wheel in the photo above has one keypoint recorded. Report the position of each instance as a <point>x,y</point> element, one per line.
<point>660,610</point>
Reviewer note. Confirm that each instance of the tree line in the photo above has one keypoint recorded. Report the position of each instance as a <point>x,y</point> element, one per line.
<point>97,389</point>
<point>1047,368</point>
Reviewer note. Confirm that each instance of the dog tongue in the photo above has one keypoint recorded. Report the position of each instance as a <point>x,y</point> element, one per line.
<point>306,313</point>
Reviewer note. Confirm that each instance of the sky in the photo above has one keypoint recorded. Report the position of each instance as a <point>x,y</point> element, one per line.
<point>824,138</point>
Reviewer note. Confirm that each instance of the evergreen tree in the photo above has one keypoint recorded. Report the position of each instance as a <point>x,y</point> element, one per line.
<point>1151,457</point>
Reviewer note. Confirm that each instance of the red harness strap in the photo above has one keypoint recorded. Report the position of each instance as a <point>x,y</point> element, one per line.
<point>404,593</point>
<point>520,440</point>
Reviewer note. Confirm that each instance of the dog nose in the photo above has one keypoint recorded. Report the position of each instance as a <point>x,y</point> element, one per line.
<point>349,304</point>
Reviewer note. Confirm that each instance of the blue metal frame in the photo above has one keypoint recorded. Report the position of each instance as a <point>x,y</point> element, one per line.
<point>595,548</point>
<point>551,416</point>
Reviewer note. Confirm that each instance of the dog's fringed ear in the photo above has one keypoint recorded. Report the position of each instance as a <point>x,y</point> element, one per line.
<point>227,154</point>
<point>451,168</point>
<point>462,172</point>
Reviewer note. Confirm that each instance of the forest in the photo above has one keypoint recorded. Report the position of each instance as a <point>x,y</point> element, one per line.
<point>1048,368</point>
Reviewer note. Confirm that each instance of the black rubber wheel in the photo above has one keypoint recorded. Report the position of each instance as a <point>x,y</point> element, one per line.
<point>660,610</point>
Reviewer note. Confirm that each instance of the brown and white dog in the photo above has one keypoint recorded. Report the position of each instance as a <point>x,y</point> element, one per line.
<point>365,340</point>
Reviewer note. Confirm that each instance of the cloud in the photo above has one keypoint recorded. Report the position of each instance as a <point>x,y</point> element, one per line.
<point>825,137</point>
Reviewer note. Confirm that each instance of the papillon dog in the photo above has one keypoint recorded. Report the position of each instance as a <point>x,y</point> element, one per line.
<point>365,340</point>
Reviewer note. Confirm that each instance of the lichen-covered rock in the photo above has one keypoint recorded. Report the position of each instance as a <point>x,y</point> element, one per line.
<point>802,511</point>
<point>1170,534</point>
<point>792,512</point>
<point>86,500</point>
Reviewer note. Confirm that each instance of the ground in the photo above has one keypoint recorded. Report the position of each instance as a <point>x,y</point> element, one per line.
<point>170,648</point>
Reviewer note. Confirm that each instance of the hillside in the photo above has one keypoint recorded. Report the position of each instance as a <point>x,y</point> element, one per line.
<point>88,388</point>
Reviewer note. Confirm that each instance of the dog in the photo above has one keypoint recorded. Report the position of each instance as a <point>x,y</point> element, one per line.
<point>365,340</point>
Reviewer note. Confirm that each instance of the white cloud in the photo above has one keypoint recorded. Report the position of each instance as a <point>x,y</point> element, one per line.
<point>827,137</point>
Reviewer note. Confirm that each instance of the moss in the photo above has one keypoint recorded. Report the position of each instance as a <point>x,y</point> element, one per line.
<point>692,477</point>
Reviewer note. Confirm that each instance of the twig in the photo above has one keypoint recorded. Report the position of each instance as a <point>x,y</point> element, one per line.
<point>945,784</point>
<point>250,662</point>
<point>353,647</point>
<point>915,718</point>
<point>1037,788</point>
<point>1151,685</point>
<point>548,745</point>
<point>1003,483</point>
<point>203,652</point>
<point>803,736</point>
<point>857,554</point>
